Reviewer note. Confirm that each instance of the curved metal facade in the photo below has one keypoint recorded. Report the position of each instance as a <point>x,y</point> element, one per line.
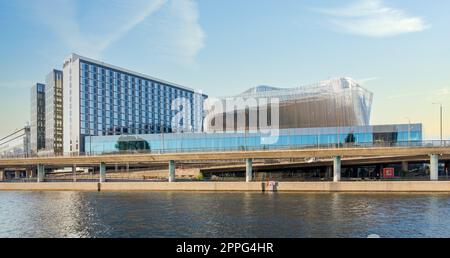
<point>332,103</point>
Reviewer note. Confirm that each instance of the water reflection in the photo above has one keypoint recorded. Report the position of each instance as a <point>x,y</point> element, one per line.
<point>44,214</point>
<point>181,214</point>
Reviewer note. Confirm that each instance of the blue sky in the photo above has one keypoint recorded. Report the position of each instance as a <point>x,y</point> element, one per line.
<point>398,49</point>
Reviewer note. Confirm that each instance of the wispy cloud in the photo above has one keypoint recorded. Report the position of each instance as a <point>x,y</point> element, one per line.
<point>444,91</point>
<point>91,30</point>
<point>430,94</point>
<point>372,18</point>
<point>134,21</point>
<point>406,95</point>
<point>188,31</point>
<point>368,79</point>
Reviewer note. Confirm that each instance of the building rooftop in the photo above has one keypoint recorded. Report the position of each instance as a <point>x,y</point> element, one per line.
<point>74,57</point>
<point>325,86</point>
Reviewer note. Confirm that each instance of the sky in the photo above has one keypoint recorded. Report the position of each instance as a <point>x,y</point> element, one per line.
<point>398,49</point>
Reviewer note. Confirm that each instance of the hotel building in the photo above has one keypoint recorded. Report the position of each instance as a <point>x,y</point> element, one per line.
<point>102,99</point>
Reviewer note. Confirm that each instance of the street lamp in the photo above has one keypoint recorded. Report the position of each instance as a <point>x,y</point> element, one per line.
<point>440,109</point>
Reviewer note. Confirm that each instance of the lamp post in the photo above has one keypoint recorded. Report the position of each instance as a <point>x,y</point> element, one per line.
<point>440,110</point>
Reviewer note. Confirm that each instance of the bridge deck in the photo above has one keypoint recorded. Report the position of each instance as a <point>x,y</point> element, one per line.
<point>262,154</point>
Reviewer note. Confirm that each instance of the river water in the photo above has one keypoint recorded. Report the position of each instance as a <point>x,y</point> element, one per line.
<point>213,214</point>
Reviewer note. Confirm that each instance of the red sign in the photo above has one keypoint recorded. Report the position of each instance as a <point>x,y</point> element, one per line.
<point>388,173</point>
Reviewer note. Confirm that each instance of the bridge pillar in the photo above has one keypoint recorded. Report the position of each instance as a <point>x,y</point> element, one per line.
<point>336,168</point>
<point>40,173</point>
<point>29,173</point>
<point>102,173</point>
<point>447,167</point>
<point>74,172</point>
<point>2,175</point>
<point>171,171</point>
<point>249,170</point>
<point>328,172</point>
<point>405,166</point>
<point>434,167</point>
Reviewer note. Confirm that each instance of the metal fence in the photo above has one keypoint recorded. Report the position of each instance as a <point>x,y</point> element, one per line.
<point>384,144</point>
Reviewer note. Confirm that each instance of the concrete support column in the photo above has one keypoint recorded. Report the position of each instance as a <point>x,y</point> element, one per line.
<point>17,174</point>
<point>447,168</point>
<point>434,167</point>
<point>40,173</point>
<point>171,171</point>
<point>29,173</point>
<point>337,169</point>
<point>328,172</point>
<point>405,166</point>
<point>2,175</point>
<point>74,172</point>
<point>102,172</point>
<point>248,170</point>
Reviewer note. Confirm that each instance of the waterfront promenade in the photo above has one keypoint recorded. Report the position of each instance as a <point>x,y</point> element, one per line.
<point>434,155</point>
<point>228,155</point>
<point>371,186</point>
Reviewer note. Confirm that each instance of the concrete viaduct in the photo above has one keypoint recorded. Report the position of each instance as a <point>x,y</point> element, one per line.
<point>434,154</point>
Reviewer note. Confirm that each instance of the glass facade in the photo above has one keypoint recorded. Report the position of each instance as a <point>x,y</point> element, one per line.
<point>54,112</point>
<point>37,122</point>
<point>115,101</point>
<point>288,138</point>
<point>16,144</point>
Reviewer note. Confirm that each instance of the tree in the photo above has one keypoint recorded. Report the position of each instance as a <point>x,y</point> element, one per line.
<point>132,143</point>
<point>350,138</point>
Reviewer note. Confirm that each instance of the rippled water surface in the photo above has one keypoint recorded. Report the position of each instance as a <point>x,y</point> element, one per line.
<point>182,214</point>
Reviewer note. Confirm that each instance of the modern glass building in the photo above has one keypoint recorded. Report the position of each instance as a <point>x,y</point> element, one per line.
<point>37,119</point>
<point>102,99</point>
<point>335,102</point>
<point>16,144</point>
<point>376,135</point>
<point>54,112</point>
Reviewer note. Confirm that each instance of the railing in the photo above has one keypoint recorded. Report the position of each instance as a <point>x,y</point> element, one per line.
<point>95,178</point>
<point>401,144</point>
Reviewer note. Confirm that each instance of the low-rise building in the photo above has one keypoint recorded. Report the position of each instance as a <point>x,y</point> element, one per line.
<point>294,138</point>
<point>16,144</point>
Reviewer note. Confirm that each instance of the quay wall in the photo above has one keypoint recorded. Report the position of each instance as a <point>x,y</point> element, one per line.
<point>383,186</point>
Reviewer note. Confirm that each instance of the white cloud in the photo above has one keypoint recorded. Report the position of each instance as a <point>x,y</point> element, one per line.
<point>134,21</point>
<point>93,29</point>
<point>444,91</point>
<point>372,18</point>
<point>407,95</point>
<point>190,35</point>
<point>178,33</point>
<point>429,95</point>
<point>365,80</point>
